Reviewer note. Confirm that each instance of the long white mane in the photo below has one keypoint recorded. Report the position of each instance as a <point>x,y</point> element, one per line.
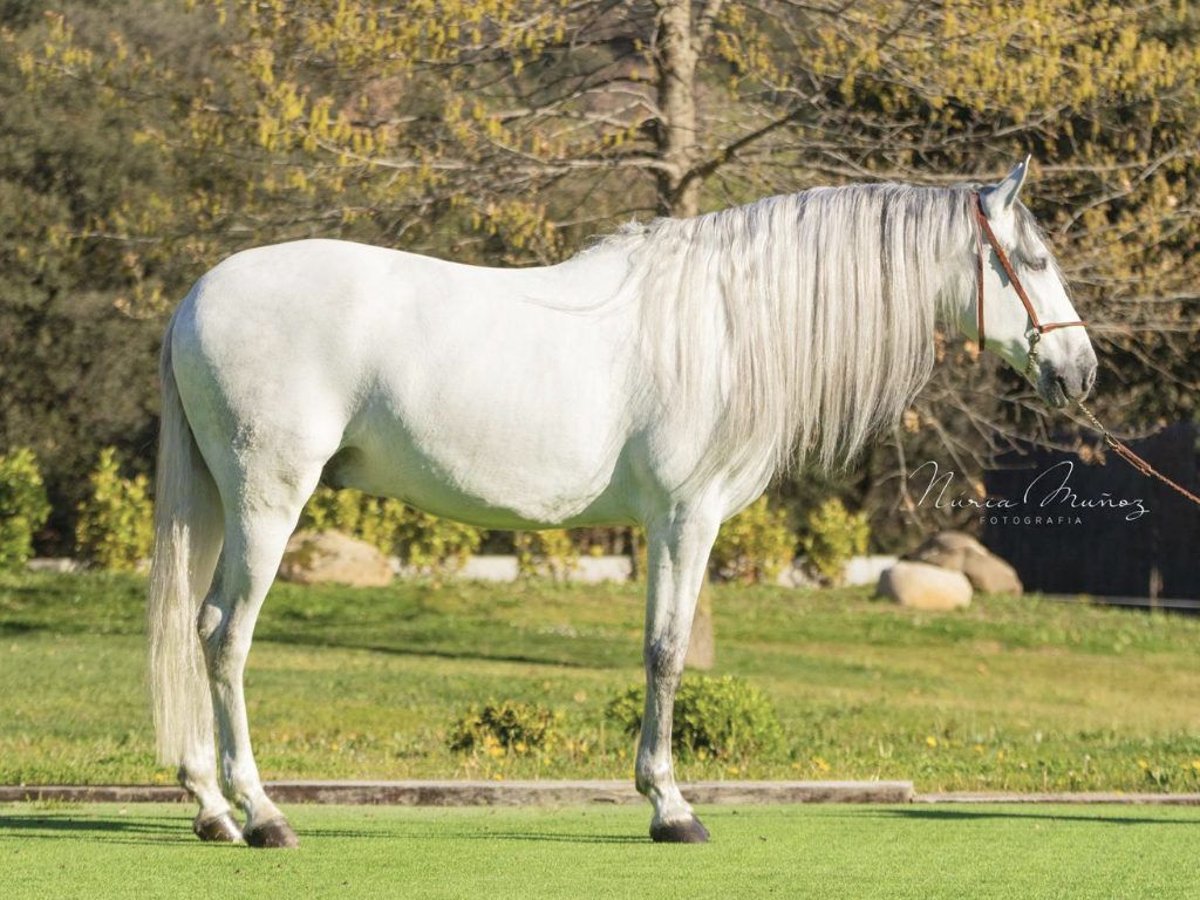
<point>811,314</point>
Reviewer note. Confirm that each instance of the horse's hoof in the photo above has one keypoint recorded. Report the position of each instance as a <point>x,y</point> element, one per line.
<point>276,833</point>
<point>685,831</point>
<point>221,829</point>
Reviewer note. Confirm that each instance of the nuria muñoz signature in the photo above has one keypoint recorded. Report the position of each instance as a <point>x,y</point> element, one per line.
<point>1048,490</point>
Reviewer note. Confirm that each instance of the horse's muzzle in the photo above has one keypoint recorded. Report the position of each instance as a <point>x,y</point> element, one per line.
<point>1059,385</point>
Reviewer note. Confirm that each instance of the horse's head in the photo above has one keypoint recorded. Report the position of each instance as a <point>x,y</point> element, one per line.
<point>1021,303</point>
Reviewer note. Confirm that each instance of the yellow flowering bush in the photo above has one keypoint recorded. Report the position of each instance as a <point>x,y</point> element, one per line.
<point>832,536</point>
<point>23,506</point>
<point>755,545</point>
<point>115,529</point>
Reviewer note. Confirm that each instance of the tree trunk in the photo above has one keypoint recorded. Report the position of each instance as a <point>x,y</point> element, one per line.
<point>675,59</point>
<point>679,44</point>
<point>702,647</point>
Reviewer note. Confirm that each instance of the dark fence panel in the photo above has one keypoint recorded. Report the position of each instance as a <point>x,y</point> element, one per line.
<point>1104,530</point>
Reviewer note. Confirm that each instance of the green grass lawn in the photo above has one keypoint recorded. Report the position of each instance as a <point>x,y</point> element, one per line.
<point>823,851</point>
<point>1013,694</point>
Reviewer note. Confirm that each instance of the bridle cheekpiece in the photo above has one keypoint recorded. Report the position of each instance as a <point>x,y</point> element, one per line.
<point>984,232</point>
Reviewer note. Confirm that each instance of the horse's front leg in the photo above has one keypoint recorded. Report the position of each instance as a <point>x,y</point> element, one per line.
<point>678,558</point>
<point>249,560</point>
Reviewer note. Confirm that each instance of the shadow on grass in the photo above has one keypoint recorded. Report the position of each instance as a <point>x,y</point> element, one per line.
<point>20,627</point>
<point>554,838</point>
<point>486,654</point>
<point>535,655</point>
<point>521,836</point>
<point>157,831</point>
<point>63,825</point>
<point>968,815</point>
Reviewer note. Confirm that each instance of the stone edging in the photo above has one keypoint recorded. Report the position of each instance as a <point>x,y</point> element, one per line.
<point>549,793</point>
<point>1118,797</point>
<point>489,793</point>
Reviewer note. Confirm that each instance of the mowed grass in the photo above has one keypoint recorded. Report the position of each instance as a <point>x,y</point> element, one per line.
<point>1012,694</point>
<point>824,851</point>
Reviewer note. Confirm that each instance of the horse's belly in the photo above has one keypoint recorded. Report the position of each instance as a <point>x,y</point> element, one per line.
<point>506,483</point>
<point>501,445</point>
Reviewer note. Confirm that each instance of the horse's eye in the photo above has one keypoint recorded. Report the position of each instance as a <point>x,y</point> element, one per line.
<point>1039,263</point>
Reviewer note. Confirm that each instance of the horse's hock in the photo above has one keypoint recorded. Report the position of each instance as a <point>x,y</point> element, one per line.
<point>329,557</point>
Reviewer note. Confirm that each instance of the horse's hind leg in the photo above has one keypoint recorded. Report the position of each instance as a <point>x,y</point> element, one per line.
<point>258,522</point>
<point>198,774</point>
<point>188,701</point>
<point>678,557</point>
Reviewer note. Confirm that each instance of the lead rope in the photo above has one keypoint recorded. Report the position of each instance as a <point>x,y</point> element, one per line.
<point>1123,451</point>
<point>1032,360</point>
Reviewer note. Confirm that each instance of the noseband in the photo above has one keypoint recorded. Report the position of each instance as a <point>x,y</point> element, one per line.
<point>985,231</point>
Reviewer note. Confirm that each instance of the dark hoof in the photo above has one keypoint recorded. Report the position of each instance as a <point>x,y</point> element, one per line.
<point>688,831</point>
<point>276,833</point>
<point>221,829</point>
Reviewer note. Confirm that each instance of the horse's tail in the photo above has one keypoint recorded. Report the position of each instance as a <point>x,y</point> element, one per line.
<point>187,540</point>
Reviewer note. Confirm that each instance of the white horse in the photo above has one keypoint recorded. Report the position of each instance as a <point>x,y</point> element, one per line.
<point>658,378</point>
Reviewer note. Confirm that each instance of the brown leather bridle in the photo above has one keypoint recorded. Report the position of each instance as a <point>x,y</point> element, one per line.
<point>1121,449</point>
<point>985,231</point>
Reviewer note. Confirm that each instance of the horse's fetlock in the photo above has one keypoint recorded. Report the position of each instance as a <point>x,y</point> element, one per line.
<point>645,784</point>
<point>643,777</point>
<point>650,774</point>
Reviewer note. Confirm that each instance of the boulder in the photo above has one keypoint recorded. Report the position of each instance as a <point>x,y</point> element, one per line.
<point>794,575</point>
<point>330,557</point>
<point>991,575</point>
<point>923,586</point>
<point>962,553</point>
<point>60,564</point>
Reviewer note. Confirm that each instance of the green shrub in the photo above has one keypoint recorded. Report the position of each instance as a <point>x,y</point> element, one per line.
<point>509,726</point>
<point>374,520</point>
<point>422,541</point>
<point>434,545</point>
<point>723,718</point>
<point>23,506</point>
<point>832,537</point>
<point>754,546</point>
<point>116,523</point>
<point>353,513</point>
<point>550,553</point>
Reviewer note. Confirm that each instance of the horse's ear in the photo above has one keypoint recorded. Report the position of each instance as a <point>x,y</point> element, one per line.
<point>999,198</point>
